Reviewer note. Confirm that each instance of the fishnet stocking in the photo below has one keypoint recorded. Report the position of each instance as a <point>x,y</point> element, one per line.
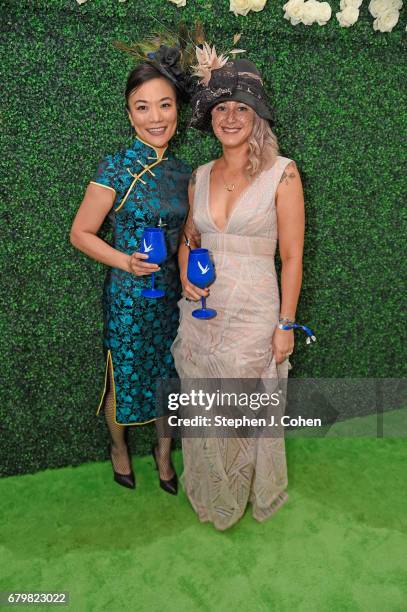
<point>163,451</point>
<point>118,434</point>
<point>120,457</point>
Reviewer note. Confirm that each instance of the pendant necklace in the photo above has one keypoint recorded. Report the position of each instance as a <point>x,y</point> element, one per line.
<point>232,186</point>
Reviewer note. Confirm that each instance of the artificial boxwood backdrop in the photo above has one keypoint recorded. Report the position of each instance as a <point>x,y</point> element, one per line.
<point>339,101</point>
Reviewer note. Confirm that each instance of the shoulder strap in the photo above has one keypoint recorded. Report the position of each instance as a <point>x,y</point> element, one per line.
<point>201,183</point>
<point>201,172</point>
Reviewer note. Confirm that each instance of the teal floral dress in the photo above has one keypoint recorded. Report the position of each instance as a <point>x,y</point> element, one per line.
<point>150,190</point>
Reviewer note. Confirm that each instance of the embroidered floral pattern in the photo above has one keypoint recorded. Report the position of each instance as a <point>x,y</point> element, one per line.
<point>139,332</point>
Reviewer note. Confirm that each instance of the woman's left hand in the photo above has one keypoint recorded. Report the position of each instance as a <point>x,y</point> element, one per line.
<point>282,344</point>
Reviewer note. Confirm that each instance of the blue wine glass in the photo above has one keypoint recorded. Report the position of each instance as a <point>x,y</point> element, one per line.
<point>201,273</point>
<point>153,244</point>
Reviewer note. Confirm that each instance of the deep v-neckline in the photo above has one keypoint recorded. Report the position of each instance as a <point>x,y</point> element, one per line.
<point>208,207</point>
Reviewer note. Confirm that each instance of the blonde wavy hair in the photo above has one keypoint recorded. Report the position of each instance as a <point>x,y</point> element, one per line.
<point>263,147</point>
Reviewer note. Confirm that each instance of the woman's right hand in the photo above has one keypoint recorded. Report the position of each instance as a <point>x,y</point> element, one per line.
<point>192,292</point>
<point>139,267</point>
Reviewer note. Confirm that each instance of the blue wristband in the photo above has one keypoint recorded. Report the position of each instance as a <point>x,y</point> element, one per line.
<point>310,334</point>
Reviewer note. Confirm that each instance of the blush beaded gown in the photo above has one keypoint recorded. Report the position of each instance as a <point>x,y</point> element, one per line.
<point>221,475</point>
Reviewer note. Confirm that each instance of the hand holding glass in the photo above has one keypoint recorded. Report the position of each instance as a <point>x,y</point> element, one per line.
<point>201,273</point>
<point>153,245</point>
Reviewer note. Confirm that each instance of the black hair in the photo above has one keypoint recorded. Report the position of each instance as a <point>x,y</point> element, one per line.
<point>141,74</point>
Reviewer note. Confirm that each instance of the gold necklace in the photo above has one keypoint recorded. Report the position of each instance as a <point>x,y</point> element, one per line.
<point>231,188</point>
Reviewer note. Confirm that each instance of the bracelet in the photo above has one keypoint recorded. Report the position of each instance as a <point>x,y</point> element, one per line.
<point>187,241</point>
<point>308,331</point>
<point>286,321</point>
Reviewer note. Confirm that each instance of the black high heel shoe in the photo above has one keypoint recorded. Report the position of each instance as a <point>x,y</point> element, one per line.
<point>125,480</point>
<point>169,486</point>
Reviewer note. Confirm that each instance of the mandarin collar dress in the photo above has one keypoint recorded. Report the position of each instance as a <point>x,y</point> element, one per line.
<point>151,190</point>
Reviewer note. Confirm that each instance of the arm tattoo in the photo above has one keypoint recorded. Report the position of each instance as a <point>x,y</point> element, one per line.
<point>288,173</point>
<point>192,179</point>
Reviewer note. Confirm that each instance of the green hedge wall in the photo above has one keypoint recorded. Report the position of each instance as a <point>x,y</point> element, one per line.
<point>340,106</point>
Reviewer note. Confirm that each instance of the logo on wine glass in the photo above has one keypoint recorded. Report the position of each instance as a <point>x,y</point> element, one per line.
<point>148,248</point>
<point>201,273</point>
<point>203,270</point>
<point>153,243</point>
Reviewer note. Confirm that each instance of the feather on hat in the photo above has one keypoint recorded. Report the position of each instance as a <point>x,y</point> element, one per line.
<point>208,60</point>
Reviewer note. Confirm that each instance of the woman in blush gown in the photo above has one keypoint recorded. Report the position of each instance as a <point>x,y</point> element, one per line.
<point>241,206</point>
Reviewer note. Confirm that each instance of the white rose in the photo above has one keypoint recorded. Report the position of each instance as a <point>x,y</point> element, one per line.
<point>179,3</point>
<point>350,4</point>
<point>257,5</point>
<point>293,11</point>
<point>324,13</point>
<point>240,7</point>
<point>377,7</point>
<point>310,12</point>
<point>386,21</point>
<point>292,4</point>
<point>347,17</point>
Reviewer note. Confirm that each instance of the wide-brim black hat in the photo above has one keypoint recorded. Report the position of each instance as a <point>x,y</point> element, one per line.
<point>237,80</point>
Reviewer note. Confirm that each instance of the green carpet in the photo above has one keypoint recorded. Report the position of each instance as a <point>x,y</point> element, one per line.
<point>338,544</point>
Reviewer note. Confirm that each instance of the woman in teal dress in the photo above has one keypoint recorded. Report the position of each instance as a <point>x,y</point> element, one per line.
<point>141,186</point>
